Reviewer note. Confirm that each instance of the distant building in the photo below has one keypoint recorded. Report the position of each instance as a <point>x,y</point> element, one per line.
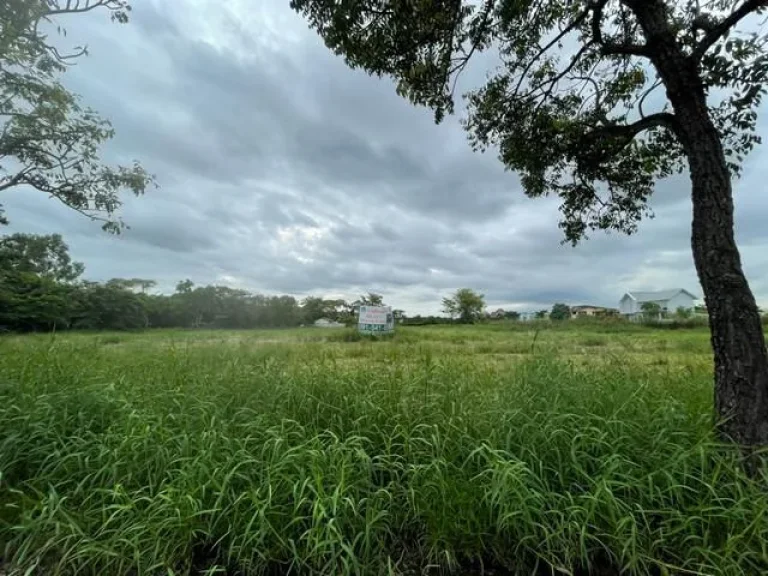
<point>327,323</point>
<point>497,314</point>
<point>631,304</point>
<point>589,310</point>
<point>527,316</point>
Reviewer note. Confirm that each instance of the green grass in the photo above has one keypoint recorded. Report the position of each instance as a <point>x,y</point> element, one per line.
<point>582,450</point>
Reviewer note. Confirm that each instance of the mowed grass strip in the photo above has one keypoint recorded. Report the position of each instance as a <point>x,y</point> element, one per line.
<point>156,454</point>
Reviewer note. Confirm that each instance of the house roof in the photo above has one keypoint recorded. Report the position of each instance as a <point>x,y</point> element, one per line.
<point>658,295</point>
<point>583,306</point>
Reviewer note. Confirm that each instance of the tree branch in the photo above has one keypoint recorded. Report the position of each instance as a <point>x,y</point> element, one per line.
<point>608,48</point>
<point>660,119</point>
<point>720,29</point>
<point>572,26</point>
<point>641,101</point>
<point>553,82</point>
<point>55,9</point>
<point>606,141</point>
<point>589,80</point>
<point>11,182</point>
<point>459,68</point>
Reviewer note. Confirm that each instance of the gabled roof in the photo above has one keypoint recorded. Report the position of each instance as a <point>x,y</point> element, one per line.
<point>657,296</point>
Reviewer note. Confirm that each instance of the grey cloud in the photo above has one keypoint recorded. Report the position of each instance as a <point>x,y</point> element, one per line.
<point>251,118</point>
<point>284,171</point>
<point>171,235</point>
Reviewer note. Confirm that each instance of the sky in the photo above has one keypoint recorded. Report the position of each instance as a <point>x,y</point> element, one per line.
<point>281,170</point>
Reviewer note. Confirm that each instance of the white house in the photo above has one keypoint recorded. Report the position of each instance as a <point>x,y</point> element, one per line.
<point>631,304</point>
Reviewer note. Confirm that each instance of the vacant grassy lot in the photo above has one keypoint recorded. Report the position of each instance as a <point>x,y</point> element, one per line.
<point>583,450</point>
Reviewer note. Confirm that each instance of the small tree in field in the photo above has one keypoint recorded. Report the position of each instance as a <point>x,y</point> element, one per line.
<point>560,312</point>
<point>651,310</point>
<point>592,102</point>
<point>466,305</point>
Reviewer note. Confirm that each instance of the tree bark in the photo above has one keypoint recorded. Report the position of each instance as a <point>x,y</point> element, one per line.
<point>738,343</point>
<point>741,361</point>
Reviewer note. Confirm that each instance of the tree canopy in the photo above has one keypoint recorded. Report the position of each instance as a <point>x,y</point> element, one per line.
<point>651,310</point>
<point>369,299</point>
<point>41,289</point>
<point>560,312</point>
<point>576,105</point>
<point>465,304</point>
<point>46,256</point>
<point>49,141</point>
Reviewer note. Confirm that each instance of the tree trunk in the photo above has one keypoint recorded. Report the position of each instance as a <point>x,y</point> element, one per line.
<point>741,360</point>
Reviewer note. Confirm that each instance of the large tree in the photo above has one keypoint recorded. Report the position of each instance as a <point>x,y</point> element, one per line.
<point>37,279</point>
<point>49,142</point>
<point>465,304</point>
<point>46,256</point>
<point>593,101</point>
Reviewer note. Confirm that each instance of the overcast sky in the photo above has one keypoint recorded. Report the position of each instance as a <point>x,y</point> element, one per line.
<point>283,171</point>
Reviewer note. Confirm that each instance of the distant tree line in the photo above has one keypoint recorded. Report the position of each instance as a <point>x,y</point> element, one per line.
<point>41,290</point>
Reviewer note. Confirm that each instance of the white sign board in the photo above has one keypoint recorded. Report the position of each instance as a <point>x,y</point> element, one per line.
<point>376,320</point>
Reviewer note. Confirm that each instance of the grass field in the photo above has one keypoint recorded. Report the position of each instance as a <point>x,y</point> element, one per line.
<point>581,450</point>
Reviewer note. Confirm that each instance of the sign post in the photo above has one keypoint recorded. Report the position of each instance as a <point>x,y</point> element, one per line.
<point>376,320</point>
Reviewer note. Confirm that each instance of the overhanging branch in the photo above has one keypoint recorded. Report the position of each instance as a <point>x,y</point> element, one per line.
<point>658,120</point>
<point>645,95</point>
<point>720,29</point>
<point>605,141</point>
<point>479,35</point>
<point>553,82</point>
<point>79,6</point>
<point>577,21</point>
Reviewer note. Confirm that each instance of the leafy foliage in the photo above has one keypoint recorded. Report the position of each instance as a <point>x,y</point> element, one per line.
<point>48,140</point>
<point>36,273</point>
<point>683,313</point>
<point>560,312</point>
<point>40,290</point>
<point>466,305</point>
<point>651,310</point>
<point>46,256</point>
<point>369,299</point>
<point>32,302</point>
<point>575,106</point>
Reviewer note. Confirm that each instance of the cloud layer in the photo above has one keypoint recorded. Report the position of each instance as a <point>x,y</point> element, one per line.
<point>282,170</point>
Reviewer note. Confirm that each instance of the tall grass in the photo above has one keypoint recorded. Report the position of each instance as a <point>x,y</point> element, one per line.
<point>302,458</point>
